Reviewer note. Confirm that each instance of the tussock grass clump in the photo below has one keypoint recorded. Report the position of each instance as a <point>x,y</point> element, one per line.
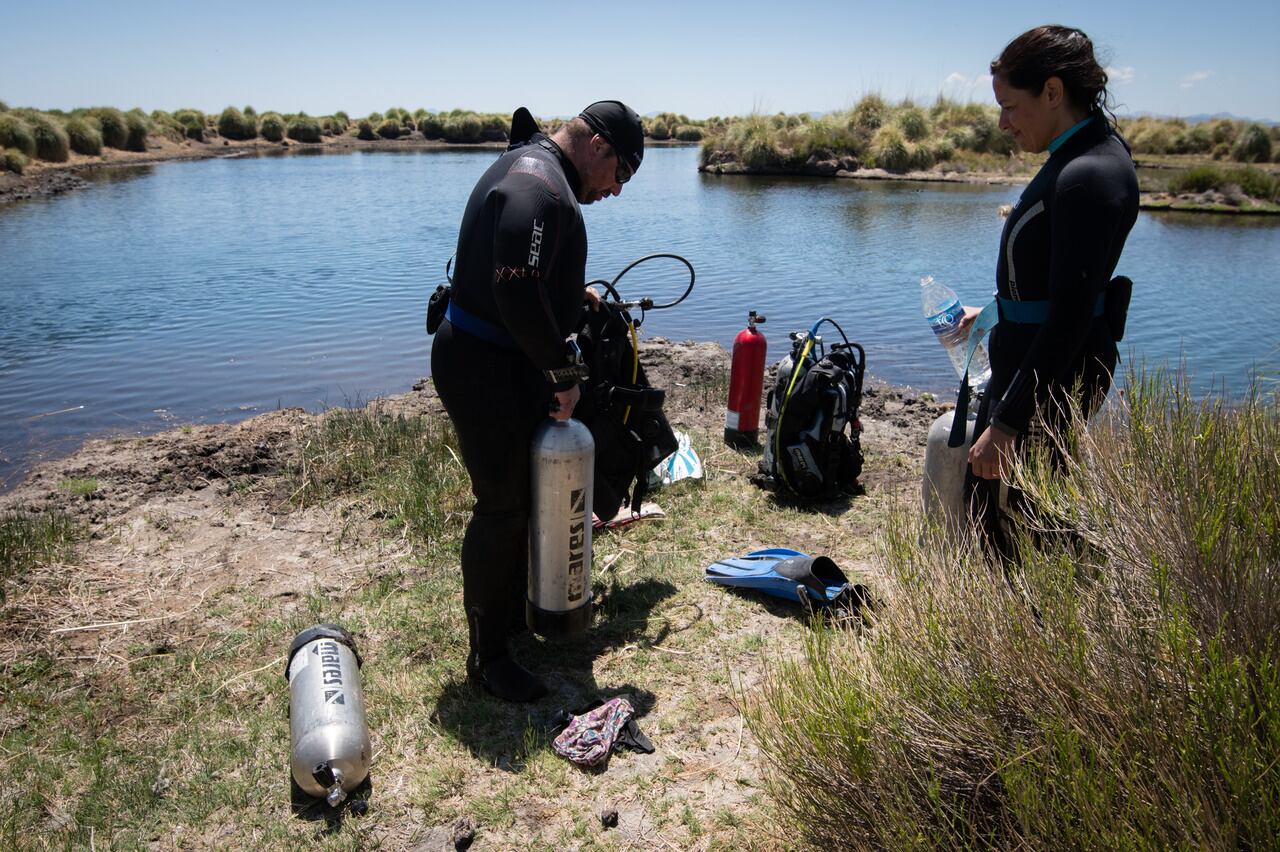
<point>29,540</point>
<point>13,160</point>
<point>163,123</point>
<point>431,126</point>
<point>688,133</point>
<point>84,137</point>
<point>16,133</point>
<point>138,128</point>
<point>869,113</point>
<point>115,131</point>
<point>410,465</point>
<point>913,123</point>
<point>365,131</point>
<point>464,127</point>
<point>1252,146</point>
<point>234,124</point>
<point>193,123</point>
<point>304,129</point>
<point>889,151</point>
<point>272,127</point>
<point>389,129</point>
<point>51,140</point>
<point>1118,686</point>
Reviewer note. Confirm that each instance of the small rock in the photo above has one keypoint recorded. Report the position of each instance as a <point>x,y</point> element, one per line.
<point>609,817</point>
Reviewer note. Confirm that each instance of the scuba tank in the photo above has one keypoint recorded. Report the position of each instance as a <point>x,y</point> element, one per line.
<point>331,751</point>
<point>782,379</point>
<point>942,487</point>
<point>561,476</point>
<point>746,380</point>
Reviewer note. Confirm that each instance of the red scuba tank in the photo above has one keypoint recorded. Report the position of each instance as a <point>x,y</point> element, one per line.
<point>746,379</point>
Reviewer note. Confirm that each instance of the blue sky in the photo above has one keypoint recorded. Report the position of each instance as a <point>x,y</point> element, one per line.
<point>702,59</point>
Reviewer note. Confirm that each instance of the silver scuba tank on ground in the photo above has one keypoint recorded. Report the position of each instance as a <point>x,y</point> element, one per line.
<point>942,487</point>
<point>331,752</point>
<point>562,460</point>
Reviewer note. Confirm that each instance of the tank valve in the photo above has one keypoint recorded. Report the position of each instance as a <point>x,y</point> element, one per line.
<point>330,777</point>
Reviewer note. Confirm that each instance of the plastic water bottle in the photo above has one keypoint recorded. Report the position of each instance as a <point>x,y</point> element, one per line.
<point>943,312</point>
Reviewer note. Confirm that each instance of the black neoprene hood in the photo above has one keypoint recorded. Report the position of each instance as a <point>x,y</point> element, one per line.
<point>620,127</point>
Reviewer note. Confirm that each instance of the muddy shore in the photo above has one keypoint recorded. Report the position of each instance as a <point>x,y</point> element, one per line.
<point>130,469</point>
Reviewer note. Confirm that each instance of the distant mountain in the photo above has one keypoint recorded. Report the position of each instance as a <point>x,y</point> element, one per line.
<point>1202,117</point>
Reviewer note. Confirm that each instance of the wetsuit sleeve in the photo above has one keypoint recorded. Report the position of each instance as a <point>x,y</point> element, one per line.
<point>1088,211</point>
<point>529,225</point>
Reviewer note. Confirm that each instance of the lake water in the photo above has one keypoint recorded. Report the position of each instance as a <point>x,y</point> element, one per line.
<point>218,289</point>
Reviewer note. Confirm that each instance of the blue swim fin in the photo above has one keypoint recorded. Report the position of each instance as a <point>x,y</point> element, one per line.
<point>783,573</point>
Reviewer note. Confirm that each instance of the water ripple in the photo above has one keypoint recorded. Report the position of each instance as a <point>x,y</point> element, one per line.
<point>216,289</point>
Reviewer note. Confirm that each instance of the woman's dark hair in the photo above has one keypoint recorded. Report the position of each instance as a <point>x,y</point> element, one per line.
<point>1055,51</point>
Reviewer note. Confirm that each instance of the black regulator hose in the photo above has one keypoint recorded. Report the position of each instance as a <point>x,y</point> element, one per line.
<point>645,304</point>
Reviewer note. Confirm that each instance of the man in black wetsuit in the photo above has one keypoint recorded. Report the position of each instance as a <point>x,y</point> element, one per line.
<point>1058,251</point>
<point>500,361</point>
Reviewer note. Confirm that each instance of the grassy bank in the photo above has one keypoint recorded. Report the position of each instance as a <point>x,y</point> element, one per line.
<point>958,139</point>
<point>1117,687</point>
<point>141,664</point>
<point>28,134</point>
<point>1120,691</point>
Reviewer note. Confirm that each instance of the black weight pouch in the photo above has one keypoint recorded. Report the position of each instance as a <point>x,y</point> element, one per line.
<point>1119,291</point>
<point>437,305</point>
<point>622,411</point>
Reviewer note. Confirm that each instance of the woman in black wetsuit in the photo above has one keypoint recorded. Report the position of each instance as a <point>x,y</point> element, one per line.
<point>1058,251</point>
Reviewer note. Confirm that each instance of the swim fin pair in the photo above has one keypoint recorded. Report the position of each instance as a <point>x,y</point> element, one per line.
<point>791,575</point>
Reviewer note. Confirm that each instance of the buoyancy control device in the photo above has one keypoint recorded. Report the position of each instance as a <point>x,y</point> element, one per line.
<point>623,412</point>
<point>330,753</point>
<point>813,447</point>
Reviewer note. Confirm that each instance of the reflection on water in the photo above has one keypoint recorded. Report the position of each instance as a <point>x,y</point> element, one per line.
<point>215,289</point>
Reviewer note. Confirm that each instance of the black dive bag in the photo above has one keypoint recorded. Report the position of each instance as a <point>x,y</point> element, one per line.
<point>813,447</point>
<point>622,411</point>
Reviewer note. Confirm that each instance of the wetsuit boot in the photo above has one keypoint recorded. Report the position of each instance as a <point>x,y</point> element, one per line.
<point>489,665</point>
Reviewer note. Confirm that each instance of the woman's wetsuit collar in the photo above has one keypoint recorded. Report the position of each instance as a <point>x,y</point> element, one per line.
<point>1062,137</point>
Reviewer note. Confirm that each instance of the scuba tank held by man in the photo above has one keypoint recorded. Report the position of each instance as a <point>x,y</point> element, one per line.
<point>746,381</point>
<point>562,462</point>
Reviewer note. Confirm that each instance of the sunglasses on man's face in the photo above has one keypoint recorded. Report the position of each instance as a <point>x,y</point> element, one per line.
<point>624,171</point>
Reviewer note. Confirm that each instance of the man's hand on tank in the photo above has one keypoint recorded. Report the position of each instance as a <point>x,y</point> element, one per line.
<point>592,298</point>
<point>565,402</point>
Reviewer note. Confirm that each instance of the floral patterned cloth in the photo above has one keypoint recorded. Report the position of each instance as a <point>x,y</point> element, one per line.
<point>589,738</point>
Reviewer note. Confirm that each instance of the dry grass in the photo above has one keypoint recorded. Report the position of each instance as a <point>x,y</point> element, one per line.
<point>1118,688</point>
